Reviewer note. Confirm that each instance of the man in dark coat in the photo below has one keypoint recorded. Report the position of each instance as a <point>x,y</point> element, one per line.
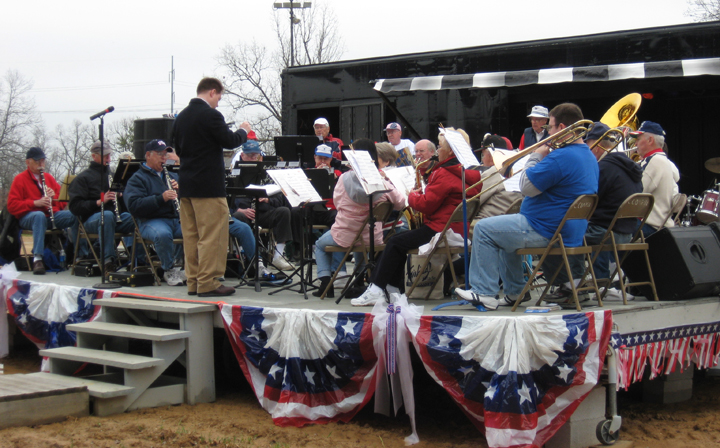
<point>199,135</point>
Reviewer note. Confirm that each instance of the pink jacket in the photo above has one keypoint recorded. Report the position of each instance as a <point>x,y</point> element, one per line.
<point>348,197</point>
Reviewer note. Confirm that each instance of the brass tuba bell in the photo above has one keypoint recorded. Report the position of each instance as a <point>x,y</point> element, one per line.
<point>623,113</point>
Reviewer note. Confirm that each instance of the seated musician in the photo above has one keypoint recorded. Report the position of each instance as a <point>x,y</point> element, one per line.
<point>442,195</point>
<point>31,205</point>
<point>424,149</point>
<point>149,199</point>
<point>620,177</point>
<point>322,131</point>
<point>272,213</point>
<point>550,182</point>
<point>405,147</point>
<point>352,204</point>
<point>86,195</point>
<point>498,198</point>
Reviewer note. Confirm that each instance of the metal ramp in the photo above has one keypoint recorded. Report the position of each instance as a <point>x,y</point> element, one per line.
<point>132,381</point>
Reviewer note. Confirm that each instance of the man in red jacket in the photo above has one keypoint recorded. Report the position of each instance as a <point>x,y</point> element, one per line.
<point>31,205</point>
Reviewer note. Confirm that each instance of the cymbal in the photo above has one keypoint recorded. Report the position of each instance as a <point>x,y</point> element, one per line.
<point>713,165</point>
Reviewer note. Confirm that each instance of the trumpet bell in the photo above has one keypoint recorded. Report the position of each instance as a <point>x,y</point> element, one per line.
<point>623,113</point>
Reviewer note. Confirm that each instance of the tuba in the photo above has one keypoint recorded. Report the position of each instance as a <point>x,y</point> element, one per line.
<point>624,112</point>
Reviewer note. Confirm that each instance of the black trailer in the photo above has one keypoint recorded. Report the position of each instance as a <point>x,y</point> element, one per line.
<point>492,89</point>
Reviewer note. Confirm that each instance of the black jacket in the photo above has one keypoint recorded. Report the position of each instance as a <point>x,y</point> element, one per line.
<point>620,177</point>
<point>85,191</point>
<point>199,136</point>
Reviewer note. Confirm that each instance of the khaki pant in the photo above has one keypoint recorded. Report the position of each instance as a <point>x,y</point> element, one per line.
<point>204,223</point>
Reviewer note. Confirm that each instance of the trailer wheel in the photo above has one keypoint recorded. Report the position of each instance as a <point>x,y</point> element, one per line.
<point>602,431</point>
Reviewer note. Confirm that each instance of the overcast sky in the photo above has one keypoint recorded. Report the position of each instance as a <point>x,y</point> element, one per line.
<point>86,55</point>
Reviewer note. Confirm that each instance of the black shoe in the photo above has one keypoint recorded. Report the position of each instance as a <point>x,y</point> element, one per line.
<point>38,268</point>
<point>324,282</point>
<point>510,301</point>
<point>563,295</point>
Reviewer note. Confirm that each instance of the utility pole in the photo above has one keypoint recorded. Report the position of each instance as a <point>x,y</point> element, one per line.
<point>293,21</point>
<point>172,85</point>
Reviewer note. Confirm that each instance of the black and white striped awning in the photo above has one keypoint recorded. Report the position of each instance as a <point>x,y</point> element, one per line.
<point>685,67</point>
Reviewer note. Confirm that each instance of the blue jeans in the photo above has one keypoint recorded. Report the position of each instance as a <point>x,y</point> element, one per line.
<point>328,262</point>
<point>244,234</point>
<point>495,241</point>
<point>593,235</point>
<point>111,227</point>
<point>648,230</point>
<point>161,232</point>
<point>39,223</point>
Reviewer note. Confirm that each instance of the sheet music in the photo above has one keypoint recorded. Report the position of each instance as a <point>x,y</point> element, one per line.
<point>366,170</point>
<point>295,186</point>
<point>403,177</point>
<point>460,147</point>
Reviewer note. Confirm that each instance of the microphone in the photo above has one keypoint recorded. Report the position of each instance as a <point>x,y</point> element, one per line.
<point>100,114</point>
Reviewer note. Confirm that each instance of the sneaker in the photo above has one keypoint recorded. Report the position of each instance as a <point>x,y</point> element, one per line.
<point>181,274</point>
<point>509,299</point>
<point>368,298</point>
<point>615,295</point>
<point>172,277</point>
<point>488,302</point>
<point>341,280</point>
<point>282,265</point>
<point>564,295</point>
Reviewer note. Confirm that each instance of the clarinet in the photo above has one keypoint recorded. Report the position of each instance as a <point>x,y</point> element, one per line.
<point>45,193</point>
<point>118,219</point>
<point>176,201</point>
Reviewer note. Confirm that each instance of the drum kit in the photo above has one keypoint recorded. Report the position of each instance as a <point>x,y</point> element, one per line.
<point>705,209</point>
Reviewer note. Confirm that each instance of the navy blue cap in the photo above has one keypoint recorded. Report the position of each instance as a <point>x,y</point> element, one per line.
<point>35,153</point>
<point>156,145</point>
<point>649,127</point>
<point>597,131</point>
<point>251,147</point>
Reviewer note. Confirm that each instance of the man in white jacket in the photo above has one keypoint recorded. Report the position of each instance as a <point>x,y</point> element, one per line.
<point>660,175</point>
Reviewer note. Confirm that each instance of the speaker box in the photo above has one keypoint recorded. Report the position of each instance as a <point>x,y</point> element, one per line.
<point>685,263</point>
<point>147,129</point>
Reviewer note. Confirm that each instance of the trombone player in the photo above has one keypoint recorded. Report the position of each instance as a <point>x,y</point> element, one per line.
<point>550,182</point>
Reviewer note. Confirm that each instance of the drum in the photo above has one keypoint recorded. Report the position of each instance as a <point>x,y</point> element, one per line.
<point>709,209</point>
<point>693,204</point>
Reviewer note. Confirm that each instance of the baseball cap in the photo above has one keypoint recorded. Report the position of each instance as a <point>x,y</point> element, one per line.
<point>156,145</point>
<point>323,151</point>
<point>597,131</point>
<point>251,147</point>
<point>321,121</point>
<point>539,112</point>
<point>649,127</point>
<point>95,148</point>
<point>393,126</point>
<point>35,153</point>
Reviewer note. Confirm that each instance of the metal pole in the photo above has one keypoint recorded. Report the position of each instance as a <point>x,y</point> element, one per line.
<point>172,85</point>
<point>292,36</point>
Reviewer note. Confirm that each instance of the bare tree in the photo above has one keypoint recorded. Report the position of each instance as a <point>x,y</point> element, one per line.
<point>121,134</point>
<point>18,121</point>
<point>252,71</point>
<point>703,10</point>
<point>70,152</point>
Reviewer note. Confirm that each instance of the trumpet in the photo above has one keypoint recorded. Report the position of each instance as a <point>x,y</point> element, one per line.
<point>45,193</point>
<point>176,201</point>
<point>118,219</point>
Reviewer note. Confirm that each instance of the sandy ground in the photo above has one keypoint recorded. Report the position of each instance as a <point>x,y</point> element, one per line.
<point>236,420</point>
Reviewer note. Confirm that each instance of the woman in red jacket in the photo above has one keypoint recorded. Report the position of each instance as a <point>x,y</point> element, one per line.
<point>442,195</point>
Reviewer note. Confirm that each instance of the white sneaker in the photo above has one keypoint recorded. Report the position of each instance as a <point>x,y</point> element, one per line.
<point>172,277</point>
<point>340,282</point>
<point>282,265</point>
<point>368,298</point>
<point>181,274</point>
<point>615,295</point>
<point>489,302</point>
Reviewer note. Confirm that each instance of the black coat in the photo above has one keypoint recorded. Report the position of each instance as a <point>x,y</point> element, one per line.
<point>85,190</point>
<point>199,136</point>
<point>620,177</point>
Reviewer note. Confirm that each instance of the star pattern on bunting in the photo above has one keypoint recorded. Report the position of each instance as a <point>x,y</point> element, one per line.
<point>254,333</point>
<point>564,372</point>
<point>490,392</point>
<point>333,371</point>
<point>524,393</point>
<point>444,340</point>
<point>349,327</point>
<point>309,376</point>
<point>273,370</point>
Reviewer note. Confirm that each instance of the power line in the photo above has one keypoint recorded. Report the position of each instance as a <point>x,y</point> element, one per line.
<point>106,86</point>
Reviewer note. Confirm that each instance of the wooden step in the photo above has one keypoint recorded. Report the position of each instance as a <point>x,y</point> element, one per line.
<point>157,305</point>
<point>129,331</point>
<point>102,357</point>
<point>97,389</point>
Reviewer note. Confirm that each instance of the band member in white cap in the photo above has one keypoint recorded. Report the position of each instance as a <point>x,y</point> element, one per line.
<point>535,133</point>
<point>322,131</point>
<point>394,135</point>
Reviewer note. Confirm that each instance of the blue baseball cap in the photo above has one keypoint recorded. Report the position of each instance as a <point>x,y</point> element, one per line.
<point>251,147</point>
<point>35,153</point>
<point>157,145</point>
<point>597,131</point>
<point>650,127</point>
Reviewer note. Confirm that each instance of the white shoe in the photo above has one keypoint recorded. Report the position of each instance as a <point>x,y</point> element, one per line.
<point>181,274</point>
<point>172,277</point>
<point>488,302</point>
<point>340,282</point>
<point>282,265</point>
<point>368,298</point>
<point>615,295</point>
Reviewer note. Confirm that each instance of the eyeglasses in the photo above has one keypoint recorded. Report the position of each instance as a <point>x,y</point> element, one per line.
<point>547,127</point>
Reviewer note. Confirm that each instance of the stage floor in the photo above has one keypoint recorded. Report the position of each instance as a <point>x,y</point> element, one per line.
<point>639,315</point>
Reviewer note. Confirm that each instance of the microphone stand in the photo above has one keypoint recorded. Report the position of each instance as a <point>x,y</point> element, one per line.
<point>104,284</point>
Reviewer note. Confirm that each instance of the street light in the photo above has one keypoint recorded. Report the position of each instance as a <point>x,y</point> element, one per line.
<point>292,6</point>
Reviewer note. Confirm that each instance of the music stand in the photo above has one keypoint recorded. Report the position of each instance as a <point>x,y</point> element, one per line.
<point>256,194</point>
<point>298,148</point>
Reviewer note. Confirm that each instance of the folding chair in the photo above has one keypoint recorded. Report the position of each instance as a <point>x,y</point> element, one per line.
<point>582,208</point>
<point>637,206</point>
<point>442,245</point>
<point>94,236</point>
<point>152,261</point>
<point>514,208</point>
<point>52,233</point>
<point>675,213</point>
<point>381,212</point>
